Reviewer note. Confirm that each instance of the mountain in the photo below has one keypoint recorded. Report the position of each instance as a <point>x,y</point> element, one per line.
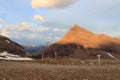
<point>7,45</point>
<point>81,36</point>
<point>83,44</point>
<point>33,48</point>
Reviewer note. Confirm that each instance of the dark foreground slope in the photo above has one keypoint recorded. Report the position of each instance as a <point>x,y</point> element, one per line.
<point>6,45</point>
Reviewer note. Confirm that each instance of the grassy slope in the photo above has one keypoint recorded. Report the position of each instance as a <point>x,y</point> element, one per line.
<point>76,70</point>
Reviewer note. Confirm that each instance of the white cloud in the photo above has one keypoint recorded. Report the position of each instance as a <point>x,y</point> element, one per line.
<point>57,38</point>
<point>5,31</point>
<point>48,37</point>
<point>58,30</point>
<point>9,30</point>
<point>32,36</point>
<point>51,3</point>
<point>41,29</point>
<point>24,26</point>
<point>63,30</point>
<point>39,18</point>
<point>1,20</point>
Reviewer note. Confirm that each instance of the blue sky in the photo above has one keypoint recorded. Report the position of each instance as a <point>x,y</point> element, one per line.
<point>40,21</point>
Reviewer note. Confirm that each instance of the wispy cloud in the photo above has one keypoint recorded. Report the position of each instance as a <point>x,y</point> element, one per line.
<point>5,31</point>
<point>8,29</point>
<point>39,18</point>
<point>24,26</point>
<point>57,38</point>
<point>1,20</point>
<point>52,3</point>
<point>58,30</point>
<point>32,36</point>
<point>41,29</point>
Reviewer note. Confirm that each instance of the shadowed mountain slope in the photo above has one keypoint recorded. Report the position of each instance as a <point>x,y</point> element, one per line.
<point>6,45</point>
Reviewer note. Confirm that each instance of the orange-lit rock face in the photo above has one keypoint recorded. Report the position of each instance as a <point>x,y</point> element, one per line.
<point>86,38</point>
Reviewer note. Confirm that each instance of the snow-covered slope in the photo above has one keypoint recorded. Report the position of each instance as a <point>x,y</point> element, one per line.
<point>8,56</point>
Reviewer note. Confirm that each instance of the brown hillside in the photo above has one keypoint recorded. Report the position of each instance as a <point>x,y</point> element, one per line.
<point>7,45</point>
<point>81,36</point>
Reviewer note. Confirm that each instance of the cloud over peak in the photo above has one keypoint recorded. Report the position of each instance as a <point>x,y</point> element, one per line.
<point>51,3</point>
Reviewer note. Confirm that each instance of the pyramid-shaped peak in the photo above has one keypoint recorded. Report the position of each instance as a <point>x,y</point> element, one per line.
<point>80,29</point>
<point>79,35</point>
<point>75,27</point>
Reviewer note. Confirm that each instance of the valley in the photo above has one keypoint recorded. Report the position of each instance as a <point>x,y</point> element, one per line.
<point>79,55</point>
<point>59,39</point>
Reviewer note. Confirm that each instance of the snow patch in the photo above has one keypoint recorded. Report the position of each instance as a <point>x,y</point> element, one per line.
<point>8,56</point>
<point>7,41</point>
<point>112,56</point>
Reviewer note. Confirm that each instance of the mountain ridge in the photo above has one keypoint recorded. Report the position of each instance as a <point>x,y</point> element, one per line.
<point>7,45</point>
<point>79,35</point>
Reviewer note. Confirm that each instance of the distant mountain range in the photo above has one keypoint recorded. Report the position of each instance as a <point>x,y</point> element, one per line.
<point>33,48</point>
<point>83,44</point>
